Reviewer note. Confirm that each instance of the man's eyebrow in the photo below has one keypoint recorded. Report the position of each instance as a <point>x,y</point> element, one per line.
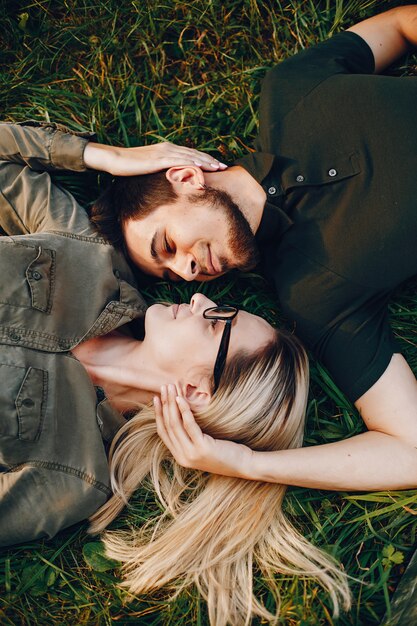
<point>154,253</point>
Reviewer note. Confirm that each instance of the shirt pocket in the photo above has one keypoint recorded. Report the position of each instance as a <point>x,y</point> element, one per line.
<point>23,394</point>
<point>28,275</point>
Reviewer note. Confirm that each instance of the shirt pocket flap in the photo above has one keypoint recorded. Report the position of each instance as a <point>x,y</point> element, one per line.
<point>321,171</point>
<point>40,276</point>
<point>23,395</point>
<point>30,403</point>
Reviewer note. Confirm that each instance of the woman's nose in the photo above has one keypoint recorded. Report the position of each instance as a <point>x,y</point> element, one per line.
<point>199,303</point>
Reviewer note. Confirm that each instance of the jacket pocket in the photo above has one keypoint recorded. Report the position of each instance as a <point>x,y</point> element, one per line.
<point>23,394</point>
<point>28,275</point>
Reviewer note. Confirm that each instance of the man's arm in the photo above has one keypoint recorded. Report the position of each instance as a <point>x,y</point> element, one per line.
<point>385,457</point>
<point>389,35</point>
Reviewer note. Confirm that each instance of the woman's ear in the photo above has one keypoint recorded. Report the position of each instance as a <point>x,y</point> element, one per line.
<point>198,395</point>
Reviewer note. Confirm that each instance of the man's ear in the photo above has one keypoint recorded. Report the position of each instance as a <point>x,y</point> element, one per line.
<point>197,395</point>
<point>185,179</point>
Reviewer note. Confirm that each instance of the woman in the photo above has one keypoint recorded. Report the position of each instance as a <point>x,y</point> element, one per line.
<point>256,395</point>
<point>213,529</point>
<point>71,366</point>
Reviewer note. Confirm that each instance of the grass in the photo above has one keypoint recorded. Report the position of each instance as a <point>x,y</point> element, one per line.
<point>138,71</point>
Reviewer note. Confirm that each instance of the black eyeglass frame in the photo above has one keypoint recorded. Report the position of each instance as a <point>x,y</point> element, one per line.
<point>210,314</point>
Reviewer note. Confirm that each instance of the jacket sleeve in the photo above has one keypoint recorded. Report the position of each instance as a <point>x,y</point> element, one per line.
<point>29,201</point>
<point>38,502</point>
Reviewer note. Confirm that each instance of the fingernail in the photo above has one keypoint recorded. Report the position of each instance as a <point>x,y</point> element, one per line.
<point>223,165</point>
<point>216,165</point>
<point>198,163</point>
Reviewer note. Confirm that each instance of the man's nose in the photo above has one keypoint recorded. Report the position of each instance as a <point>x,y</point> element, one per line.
<point>185,266</point>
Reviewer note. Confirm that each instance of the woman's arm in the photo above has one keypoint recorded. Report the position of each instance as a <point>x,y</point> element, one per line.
<point>30,202</point>
<point>389,35</point>
<point>145,159</point>
<point>385,457</point>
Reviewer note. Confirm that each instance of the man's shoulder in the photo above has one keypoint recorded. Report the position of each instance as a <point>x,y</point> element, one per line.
<point>288,82</point>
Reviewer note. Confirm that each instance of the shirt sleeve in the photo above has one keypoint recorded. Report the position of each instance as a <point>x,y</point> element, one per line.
<point>29,201</point>
<point>293,79</point>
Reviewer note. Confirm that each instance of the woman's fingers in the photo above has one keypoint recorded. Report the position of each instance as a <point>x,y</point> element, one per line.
<point>182,155</point>
<point>190,425</point>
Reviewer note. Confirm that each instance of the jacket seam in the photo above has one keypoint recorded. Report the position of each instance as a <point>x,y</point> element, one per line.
<point>66,469</point>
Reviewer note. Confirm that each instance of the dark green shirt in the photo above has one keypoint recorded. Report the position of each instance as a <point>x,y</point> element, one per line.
<point>60,284</point>
<point>337,157</point>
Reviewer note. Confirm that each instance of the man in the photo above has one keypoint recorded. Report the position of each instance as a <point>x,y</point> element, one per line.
<point>330,194</point>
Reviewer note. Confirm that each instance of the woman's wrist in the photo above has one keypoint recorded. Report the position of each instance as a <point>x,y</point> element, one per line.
<point>98,156</point>
<point>259,465</point>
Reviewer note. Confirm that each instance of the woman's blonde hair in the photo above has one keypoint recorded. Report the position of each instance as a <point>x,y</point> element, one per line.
<point>215,530</point>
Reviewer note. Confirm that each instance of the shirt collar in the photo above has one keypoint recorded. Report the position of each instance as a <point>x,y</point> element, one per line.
<point>275,220</point>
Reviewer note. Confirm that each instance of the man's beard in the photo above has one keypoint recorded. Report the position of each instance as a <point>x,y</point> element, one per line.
<point>241,241</point>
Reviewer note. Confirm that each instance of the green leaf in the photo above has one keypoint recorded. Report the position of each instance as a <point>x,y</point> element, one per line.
<point>94,556</point>
<point>23,19</point>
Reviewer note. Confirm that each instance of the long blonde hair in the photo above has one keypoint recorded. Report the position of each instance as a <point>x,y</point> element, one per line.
<point>213,529</point>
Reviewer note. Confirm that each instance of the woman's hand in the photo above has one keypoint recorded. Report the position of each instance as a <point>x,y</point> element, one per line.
<point>145,159</point>
<point>190,447</point>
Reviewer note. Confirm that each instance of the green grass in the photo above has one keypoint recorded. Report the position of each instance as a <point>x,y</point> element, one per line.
<point>137,71</point>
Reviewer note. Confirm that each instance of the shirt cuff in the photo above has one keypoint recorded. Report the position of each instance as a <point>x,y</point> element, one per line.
<point>67,150</point>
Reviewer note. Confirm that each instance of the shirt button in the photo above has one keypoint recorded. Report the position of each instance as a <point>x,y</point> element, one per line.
<point>28,402</point>
<point>332,172</point>
<point>36,275</point>
<point>272,191</point>
<point>300,178</point>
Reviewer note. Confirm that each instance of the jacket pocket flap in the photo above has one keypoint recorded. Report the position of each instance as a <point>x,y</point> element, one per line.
<point>30,404</point>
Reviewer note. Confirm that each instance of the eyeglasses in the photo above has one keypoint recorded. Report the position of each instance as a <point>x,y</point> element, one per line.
<point>225,314</point>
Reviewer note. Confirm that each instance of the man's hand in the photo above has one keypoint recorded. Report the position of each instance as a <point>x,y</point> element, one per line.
<point>146,159</point>
<point>189,446</point>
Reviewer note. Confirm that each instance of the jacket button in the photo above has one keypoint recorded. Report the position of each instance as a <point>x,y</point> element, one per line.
<point>272,191</point>
<point>28,402</point>
<point>300,178</point>
<point>36,275</point>
<point>332,172</point>
<point>116,273</point>
<point>15,337</point>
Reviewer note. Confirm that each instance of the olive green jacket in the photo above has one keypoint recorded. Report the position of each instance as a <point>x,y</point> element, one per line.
<point>60,284</point>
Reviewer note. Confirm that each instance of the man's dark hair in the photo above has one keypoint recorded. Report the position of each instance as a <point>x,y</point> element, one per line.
<point>129,197</point>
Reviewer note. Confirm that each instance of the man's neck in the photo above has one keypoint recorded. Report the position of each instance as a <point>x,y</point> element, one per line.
<point>245,191</point>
